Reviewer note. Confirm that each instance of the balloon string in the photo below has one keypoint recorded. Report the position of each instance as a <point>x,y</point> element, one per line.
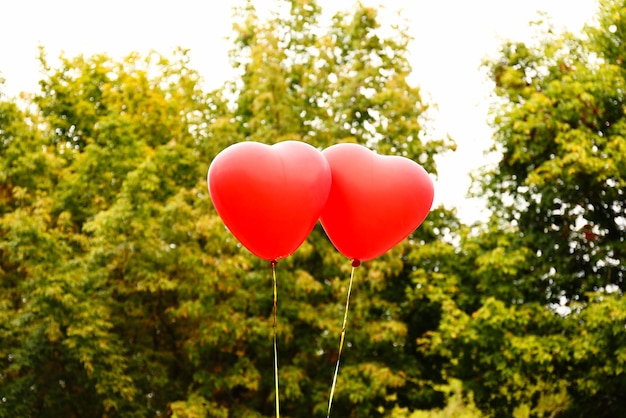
<point>355,264</point>
<point>273,264</point>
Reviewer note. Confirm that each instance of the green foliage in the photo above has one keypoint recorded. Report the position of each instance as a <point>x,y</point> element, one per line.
<point>123,294</point>
<point>81,315</point>
<point>347,84</point>
<point>535,328</point>
<point>457,406</point>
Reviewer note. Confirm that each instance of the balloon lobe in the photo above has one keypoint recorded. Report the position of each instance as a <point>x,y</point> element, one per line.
<point>375,201</point>
<point>269,197</point>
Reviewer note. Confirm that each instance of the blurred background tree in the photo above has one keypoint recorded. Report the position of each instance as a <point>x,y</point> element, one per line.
<point>544,328</point>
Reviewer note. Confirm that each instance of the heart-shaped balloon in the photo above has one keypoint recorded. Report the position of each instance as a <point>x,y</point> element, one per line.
<point>269,197</point>
<point>375,201</point>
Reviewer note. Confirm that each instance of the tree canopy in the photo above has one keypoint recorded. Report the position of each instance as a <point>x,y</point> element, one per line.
<point>123,294</point>
<point>545,330</point>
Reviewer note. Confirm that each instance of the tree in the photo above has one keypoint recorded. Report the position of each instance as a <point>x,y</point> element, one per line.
<point>547,268</point>
<point>122,292</point>
<point>348,84</point>
<point>70,344</point>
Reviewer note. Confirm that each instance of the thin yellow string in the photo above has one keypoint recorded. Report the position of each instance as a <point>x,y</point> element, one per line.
<point>355,264</point>
<point>273,264</point>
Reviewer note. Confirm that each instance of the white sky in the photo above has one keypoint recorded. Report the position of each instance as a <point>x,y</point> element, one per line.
<point>451,38</point>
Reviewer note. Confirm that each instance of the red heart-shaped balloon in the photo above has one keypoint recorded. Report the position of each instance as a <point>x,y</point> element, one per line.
<point>269,197</point>
<point>375,201</point>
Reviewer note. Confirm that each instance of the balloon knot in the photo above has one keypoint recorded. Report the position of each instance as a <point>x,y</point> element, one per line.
<point>273,263</point>
<point>356,263</point>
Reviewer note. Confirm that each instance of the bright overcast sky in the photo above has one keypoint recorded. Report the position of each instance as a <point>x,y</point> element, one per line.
<point>451,38</point>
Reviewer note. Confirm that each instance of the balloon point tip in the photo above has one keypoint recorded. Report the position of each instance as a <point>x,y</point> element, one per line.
<point>356,263</point>
<point>273,263</point>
